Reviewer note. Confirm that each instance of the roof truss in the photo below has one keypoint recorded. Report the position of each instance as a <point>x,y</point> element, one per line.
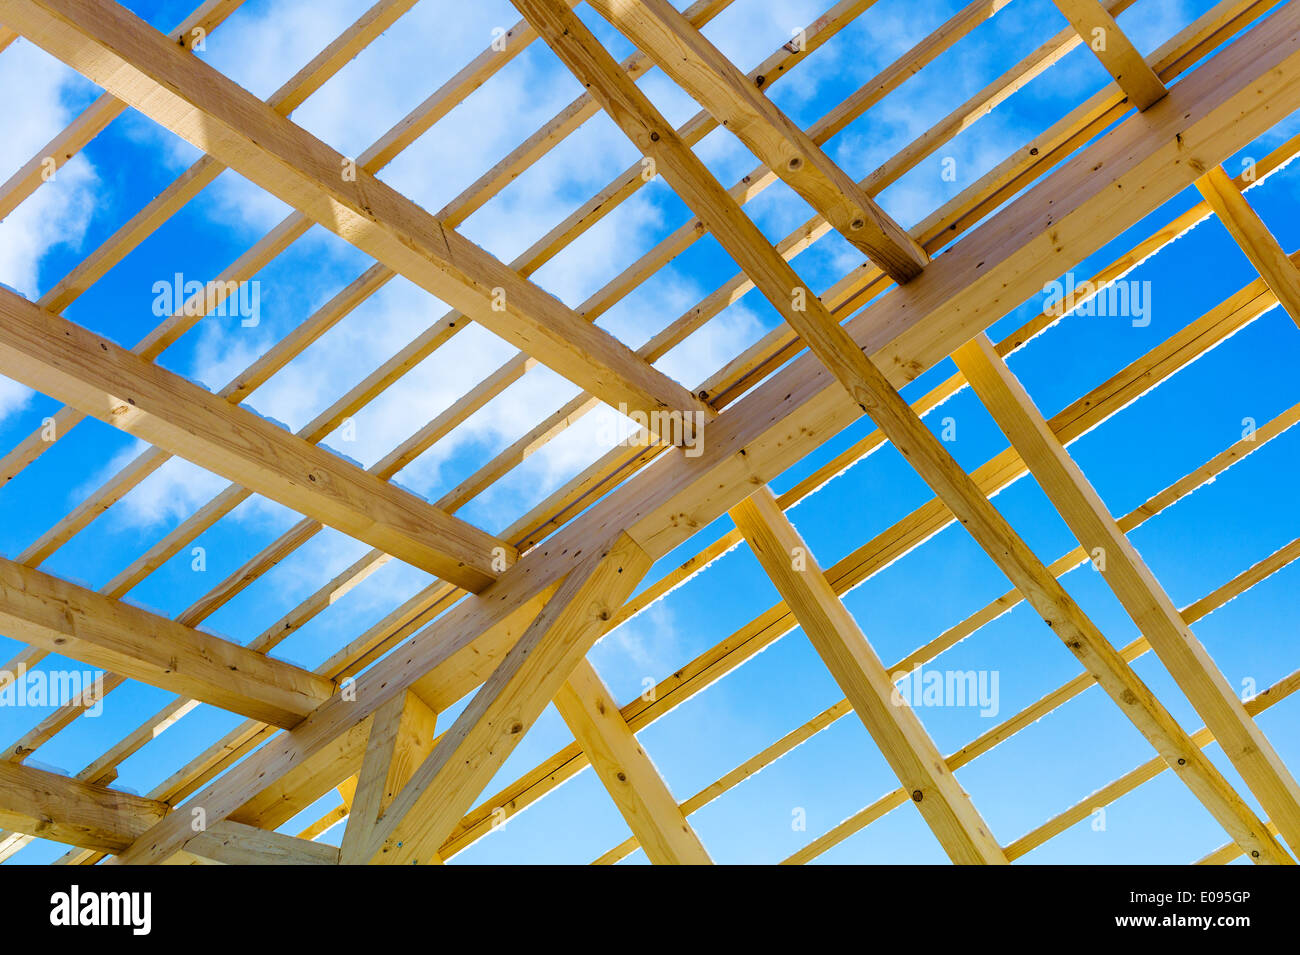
<point>546,587</point>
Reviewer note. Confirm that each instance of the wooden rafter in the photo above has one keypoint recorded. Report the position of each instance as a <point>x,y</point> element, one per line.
<point>827,623</point>
<point>104,380</point>
<point>682,52</point>
<point>633,782</point>
<point>78,623</point>
<point>1253,236</point>
<point>1103,36</point>
<point>1133,584</point>
<point>95,817</point>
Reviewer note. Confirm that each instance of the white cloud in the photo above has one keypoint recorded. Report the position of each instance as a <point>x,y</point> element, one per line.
<point>58,212</point>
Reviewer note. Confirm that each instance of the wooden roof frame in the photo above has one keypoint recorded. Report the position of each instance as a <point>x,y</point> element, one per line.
<point>513,614</point>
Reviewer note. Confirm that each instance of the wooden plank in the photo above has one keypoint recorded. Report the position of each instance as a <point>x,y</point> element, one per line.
<point>401,737</point>
<point>64,618</point>
<point>89,372</point>
<point>627,772</point>
<point>1133,583</point>
<point>680,50</point>
<point>1253,236</point>
<point>233,843</point>
<point>55,807</point>
<point>141,67</point>
<point>1223,105</point>
<point>1101,34</point>
<point>511,700</point>
<point>831,629</point>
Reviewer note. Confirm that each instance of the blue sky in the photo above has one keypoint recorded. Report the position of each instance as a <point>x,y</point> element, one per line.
<point>1193,547</point>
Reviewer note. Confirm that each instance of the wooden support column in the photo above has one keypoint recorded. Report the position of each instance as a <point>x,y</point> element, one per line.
<point>833,632</point>
<point>401,737</point>
<point>444,787</point>
<point>633,782</point>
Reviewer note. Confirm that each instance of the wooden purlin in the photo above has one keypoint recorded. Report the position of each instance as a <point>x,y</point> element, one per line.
<point>465,490</point>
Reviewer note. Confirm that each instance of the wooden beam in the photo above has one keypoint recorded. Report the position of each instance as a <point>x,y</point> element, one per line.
<point>469,754</point>
<point>1101,34</point>
<point>1253,236</point>
<point>627,772</point>
<point>90,373</point>
<point>1221,106</point>
<point>738,103</point>
<point>1137,589</point>
<point>64,618</point>
<point>56,807</point>
<point>233,843</point>
<point>63,809</point>
<point>833,632</point>
<point>141,67</point>
<point>400,738</point>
